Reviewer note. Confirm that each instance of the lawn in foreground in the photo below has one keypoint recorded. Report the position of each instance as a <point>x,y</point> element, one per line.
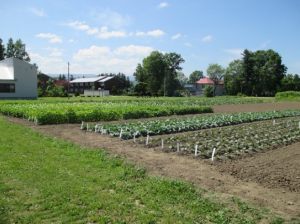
<point>45,180</point>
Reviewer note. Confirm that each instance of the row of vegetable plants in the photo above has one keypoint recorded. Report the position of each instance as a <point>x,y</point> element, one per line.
<point>136,129</point>
<point>56,113</point>
<point>188,101</point>
<point>231,141</point>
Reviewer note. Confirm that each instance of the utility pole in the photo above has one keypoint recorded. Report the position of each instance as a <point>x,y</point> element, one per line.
<point>68,79</point>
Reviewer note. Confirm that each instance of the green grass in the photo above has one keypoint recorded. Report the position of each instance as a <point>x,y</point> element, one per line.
<point>288,96</point>
<point>45,180</point>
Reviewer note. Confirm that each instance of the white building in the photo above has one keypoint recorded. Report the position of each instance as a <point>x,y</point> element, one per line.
<point>18,79</point>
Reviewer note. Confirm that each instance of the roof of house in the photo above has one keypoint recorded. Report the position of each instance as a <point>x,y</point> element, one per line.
<point>106,79</point>
<point>7,67</point>
<point>205,80</point>
<point>209,81</point>
<point>92,79</point>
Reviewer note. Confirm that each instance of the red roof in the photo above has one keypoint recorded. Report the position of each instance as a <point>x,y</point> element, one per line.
<point>205,81</point>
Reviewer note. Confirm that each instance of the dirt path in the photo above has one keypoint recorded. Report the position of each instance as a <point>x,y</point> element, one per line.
<point>201,173</point>
<point>257,107</point>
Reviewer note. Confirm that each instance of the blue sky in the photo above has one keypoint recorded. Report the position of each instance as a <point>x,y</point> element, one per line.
<point>115,35</point>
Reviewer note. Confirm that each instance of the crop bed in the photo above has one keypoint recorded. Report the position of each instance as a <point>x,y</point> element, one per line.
<point>57,113</point>
<point>231,141</point>
<point>168,126</point>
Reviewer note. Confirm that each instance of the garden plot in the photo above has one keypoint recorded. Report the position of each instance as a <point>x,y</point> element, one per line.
<point>137,129</point>
<point>230,141</point>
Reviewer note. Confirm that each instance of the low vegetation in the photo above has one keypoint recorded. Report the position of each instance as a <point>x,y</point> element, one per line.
<point>232,141</point>
<point>43,180</point>
<point>167,126</point>
<point>288,95</point>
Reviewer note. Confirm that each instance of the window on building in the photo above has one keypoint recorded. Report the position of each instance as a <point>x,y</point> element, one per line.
<point>7,88</point>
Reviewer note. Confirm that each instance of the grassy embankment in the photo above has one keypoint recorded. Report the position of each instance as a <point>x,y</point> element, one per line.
<point>45,180</point>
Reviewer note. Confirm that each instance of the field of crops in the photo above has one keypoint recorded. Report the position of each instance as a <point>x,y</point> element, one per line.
<point>77,109</point>
<point>231,141</point>
<point>167,126</point>
<point>57,113</point>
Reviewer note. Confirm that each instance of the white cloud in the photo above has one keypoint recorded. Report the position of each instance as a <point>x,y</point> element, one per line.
<point>71,40</point>
<point>163,5</point>
<point>235,53</point>
<point>37,12</point>
<point>55,52</point>
<point>176,36</point>
<point>111,18</point>
<point>50,63</point>
<point>133,50</point>
<point>52,38</point>
<point>207,39</point>
<point>101,59</point>
<point>102,32</point>
<point>151,33</point>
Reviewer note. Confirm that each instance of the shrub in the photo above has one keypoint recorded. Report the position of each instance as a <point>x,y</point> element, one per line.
<point>209,91</point>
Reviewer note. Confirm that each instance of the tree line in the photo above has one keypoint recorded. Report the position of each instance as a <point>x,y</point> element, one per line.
<point>15,49</point>
<point>257,73</point>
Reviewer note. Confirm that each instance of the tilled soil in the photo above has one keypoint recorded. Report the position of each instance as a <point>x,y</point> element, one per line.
<point>202,173</point>
<point>278,168</point>
<point>257,107</point>
<point>269,179</point>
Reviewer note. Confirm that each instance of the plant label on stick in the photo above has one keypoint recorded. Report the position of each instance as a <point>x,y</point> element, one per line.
<point>213,155</point>
<point>147,139</point>
<point>196,150</point>
<point>162,143</point>
<point>121,132</point>
<point>178,148</point>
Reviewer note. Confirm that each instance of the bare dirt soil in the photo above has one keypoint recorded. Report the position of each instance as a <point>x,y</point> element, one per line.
<point>256,107</point>
<point>269,179</point>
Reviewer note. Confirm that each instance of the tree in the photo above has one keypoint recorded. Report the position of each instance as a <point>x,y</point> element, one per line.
<point>158,74</point>
<point>2,50</point>
<point>195,76</point>
<point>10,49</point>
<point>290,82</point>
<point>209,91</point>
<point>17,50</point>
<point>262,72</point>
<point>233,77</point>
<point>172,83</point>
<point>215,72</point>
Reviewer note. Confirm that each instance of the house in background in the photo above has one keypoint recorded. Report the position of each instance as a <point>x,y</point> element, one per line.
<point>197,89</point>
<point>202,83</point>
<point>18,79</point>
<point>100,85</point>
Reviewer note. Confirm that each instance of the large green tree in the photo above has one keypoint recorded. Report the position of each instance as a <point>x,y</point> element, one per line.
<point>158,74</point>
<point>233,77</point>
<point>2,50</point>
<point>17,49</point>
<point>195,76</point>
<point>262,72</point>
<point>216,73</point>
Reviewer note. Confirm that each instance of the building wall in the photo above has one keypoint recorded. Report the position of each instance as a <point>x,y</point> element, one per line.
<point>200,89</point>
<point>25,79</point>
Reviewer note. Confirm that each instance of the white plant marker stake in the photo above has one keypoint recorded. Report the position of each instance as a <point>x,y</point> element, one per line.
<point>196,150</point>
<point>274,122</point>
<point>213,154</point>
<point>96,128</point>
<point>87,127</point>
<point>134,137</point>
<point>121,132</point>
<point>162,143</point>
<point>82,125</point>
<point>147,139</point>
<point>178,148</point>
